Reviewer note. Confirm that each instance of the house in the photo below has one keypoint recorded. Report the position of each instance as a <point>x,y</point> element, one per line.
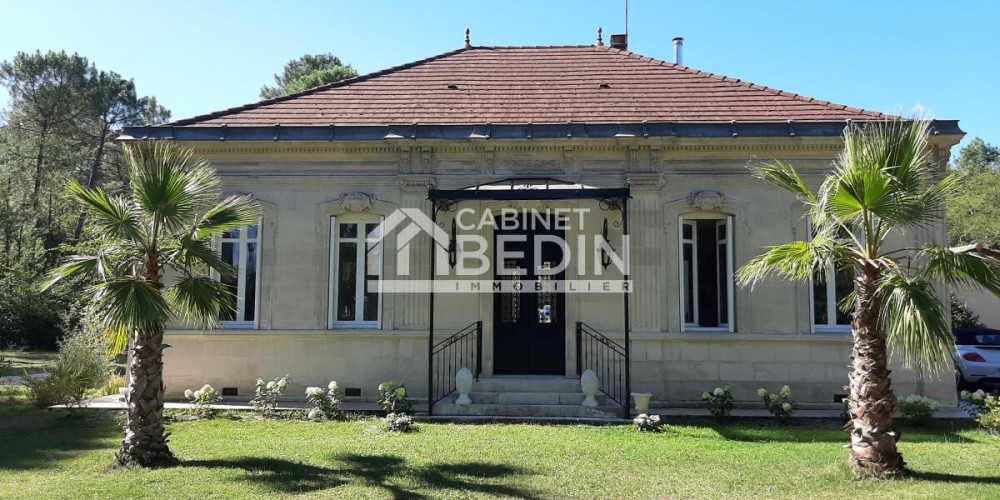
<point>509,161</point>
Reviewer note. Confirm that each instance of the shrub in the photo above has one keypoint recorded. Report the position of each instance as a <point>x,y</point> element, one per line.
<point>202,400</point>
<point>779,404</point>
<point>82,364</point>
<point>973,402</point>
<point>30,317</point>
<point>265,398</point>
<point>918,410</point>
<point>719,402</point>
<point>990,417</point>
<point>326,404</point>
<point>648,423</point>
<point>398,422</point>
<point>392,398</point>
<point>112,386</point>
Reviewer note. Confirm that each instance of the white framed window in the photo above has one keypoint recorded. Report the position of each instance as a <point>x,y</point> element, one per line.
<point>826,292</point>
<point>705,255</point>
<point>355,272</point>
<point>240,248</point>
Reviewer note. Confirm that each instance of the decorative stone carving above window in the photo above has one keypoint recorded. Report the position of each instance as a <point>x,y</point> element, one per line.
<point>645,182</point>
<point>706,200</point>
<point>356,202</point>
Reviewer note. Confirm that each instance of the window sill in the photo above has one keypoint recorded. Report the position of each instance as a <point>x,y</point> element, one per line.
<point>846,329</point>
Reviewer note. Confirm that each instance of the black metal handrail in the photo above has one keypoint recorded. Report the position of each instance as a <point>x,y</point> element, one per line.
<point>463,349</point>
<point>607,358</point>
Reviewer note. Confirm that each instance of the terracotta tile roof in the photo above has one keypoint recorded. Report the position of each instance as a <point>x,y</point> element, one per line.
<point>505,85</point>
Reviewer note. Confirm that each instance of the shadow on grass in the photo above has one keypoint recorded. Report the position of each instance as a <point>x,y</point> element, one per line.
<point>35,439</point>
<point>274,473</point>
<point>821,431</point>
<point>380,471</point>
<point>954,478</point>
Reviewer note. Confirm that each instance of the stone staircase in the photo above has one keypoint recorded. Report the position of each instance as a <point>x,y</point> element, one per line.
<point>528,396</point>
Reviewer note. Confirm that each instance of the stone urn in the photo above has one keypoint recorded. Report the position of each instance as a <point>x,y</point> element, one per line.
<point>463,384</point>
<point>590,384</point>
<point>642,402</point>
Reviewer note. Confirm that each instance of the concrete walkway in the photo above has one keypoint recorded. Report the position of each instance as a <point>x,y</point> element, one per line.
<point>19,380</point>
<point>243,404</point>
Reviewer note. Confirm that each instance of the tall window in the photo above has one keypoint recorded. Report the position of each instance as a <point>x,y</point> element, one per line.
<point>240,248</point>
<point>828,291</point>
<point>355,272</point>
<point>706,265</point>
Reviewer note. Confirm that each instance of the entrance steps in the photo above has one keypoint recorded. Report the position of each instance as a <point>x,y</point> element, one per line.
<point>528,396</point>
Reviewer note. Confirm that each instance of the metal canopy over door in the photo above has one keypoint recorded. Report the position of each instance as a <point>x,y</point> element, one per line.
<point>529,325</point>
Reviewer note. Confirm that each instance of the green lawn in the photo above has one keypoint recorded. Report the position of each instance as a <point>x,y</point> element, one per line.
<point>66,454</point>
<point>19,361</point>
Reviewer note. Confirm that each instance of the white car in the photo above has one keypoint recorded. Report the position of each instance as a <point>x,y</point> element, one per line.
<point>977,358</point>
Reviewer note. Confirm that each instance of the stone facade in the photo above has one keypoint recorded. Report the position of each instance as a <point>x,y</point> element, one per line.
<point>303,184</point>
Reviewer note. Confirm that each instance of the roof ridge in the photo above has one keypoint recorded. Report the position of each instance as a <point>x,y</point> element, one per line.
<point>328,86</point>
<point>747,84</point>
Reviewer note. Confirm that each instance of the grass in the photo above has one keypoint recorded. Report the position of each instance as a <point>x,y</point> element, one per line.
<point>16,362</point>
<point>66,454</point>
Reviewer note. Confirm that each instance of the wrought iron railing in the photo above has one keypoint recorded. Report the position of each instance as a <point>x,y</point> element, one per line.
<point>463,349</point>
<point>607,358</point>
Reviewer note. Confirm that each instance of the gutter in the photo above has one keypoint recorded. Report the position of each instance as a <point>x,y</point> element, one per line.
<point>278,132</point>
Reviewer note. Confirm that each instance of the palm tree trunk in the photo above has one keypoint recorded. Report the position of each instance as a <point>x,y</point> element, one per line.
<point>145,441</point>
<point>872,402</point>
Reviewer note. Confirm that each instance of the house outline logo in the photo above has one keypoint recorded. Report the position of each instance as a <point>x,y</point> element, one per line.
<point>419,223</point>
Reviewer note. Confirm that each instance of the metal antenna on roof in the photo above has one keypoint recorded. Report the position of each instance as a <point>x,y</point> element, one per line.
<point>600,39</point>
<point>467,44</point>
<point>626,19</point>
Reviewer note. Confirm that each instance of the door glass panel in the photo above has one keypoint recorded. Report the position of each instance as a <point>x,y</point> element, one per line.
<point>723,285</point>
<point>347,279</point>
<point>510,299</point>
<point>546,295</point>
<point>252,232</point>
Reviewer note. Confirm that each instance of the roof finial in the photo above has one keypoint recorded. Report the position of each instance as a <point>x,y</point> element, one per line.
<point>600,39</point>
<point>467,44</point>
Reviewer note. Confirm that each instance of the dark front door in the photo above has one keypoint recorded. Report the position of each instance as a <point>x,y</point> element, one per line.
<point>529,326</point>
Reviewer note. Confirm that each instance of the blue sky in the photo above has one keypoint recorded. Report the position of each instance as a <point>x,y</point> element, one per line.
<point>198,57</point>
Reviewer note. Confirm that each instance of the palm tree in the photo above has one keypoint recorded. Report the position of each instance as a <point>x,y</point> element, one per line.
<point>881,185</point>
<point>166,224</point>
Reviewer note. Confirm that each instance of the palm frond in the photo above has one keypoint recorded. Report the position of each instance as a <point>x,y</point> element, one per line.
<point>113,215</point>
<point>795,261</point>
<point>169,183</point>
<point>96,265</point>
<point>914,320</point>
<point>972,266</point>
<point>784,176</point>
<point>127,305</point>
<point>230,213</point>
<point>199,299</point>
<point>187,253</point>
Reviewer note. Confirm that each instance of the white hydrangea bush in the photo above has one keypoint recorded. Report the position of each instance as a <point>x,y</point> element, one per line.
<point>266,394</point>
<point>648,423</point>
<point>398,422</point>
<point>973,402</point>
<point>779,404</point>
<point>917,409</point>
<point>326,402</point>
<point>719,402</point>
<point>202,400</point>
